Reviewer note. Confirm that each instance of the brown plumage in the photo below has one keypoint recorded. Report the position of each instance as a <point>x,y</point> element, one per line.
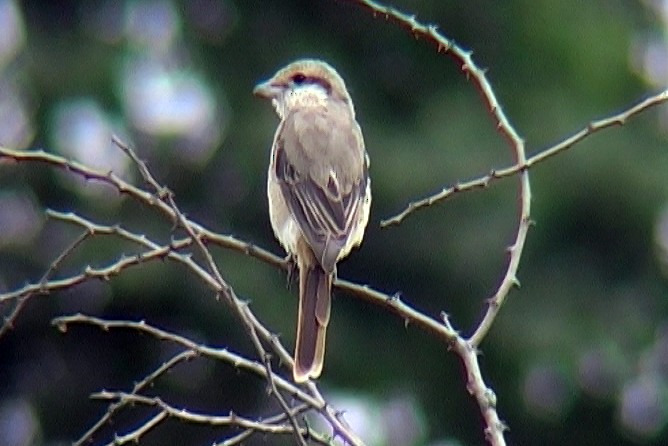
<point>318,190</point>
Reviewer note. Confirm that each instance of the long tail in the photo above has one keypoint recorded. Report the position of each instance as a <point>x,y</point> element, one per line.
<point>314,306</point>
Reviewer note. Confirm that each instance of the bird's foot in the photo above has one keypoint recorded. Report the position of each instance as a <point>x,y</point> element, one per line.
<point>291,265</point>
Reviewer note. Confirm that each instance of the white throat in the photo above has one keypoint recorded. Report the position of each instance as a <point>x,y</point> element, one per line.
<point>304,96</point>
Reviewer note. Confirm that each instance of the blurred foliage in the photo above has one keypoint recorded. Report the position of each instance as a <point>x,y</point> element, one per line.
<point>577,355</point>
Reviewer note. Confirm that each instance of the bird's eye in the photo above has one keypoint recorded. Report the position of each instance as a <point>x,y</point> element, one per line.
<point>298,78</point>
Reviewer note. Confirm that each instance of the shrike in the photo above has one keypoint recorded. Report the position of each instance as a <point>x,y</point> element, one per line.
<point>318,189</point>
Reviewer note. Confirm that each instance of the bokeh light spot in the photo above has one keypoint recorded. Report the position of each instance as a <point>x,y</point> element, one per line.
<point>546,392</point>
<point>641,410</point>
<point>18,423</point>
<point>153,24</point>
<point>12,31</point>
<point>20,218</point>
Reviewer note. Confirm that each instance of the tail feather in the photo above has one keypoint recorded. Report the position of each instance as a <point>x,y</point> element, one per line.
<point>314,307</point>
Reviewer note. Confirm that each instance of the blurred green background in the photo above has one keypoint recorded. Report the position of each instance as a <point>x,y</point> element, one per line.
<point>578,355</point>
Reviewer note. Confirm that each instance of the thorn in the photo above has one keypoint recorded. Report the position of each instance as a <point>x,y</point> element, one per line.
<point>469,387</point>
<point>490,397</point>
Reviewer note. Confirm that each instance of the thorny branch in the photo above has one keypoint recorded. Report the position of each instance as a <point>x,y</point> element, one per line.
<point>199,237</point>
<point>476,385</point>
<point>23,299</point>
<point>566,143</point>
<point>240,308</point>
<point>154,251</point>
<point>231,419</point>
<point>183,356</point>
<point>192,348</point>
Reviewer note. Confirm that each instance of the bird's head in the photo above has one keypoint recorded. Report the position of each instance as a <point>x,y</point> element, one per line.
<point>302,83</point>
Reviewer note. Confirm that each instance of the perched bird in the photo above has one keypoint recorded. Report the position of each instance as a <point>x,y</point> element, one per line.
<point>318,190</point>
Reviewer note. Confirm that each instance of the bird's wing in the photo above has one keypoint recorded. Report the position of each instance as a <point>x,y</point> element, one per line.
<point>322,170</point>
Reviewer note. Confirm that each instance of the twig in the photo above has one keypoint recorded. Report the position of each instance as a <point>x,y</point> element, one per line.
<point>156,251</point>
<point>270,425</point>
<point>232,419</point>
<point>134,435</point>
<point>161,191</point>
<point>183,356</point>
<point>235,360</point>
<point>466,349</point>
<point>22,300</point>
<point>225,290</point>
<point>477,76</point>
<point>407,313</point>
<point>511,280</point>
<point>248,319</point>
<point>239,438</point>
<point>475,384</point>
<point>228,242</point>
<point>542,155</point>
<point>298,431</point>
<point>221,354</point>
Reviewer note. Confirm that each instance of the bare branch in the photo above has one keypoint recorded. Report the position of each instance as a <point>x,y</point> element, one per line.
<point>237,361</point>
<point>251,324</point>
<point>405,312</point>
<point>186,355</point>
<point>161,191</point>
<point>232,419</point>
<point>220,354</point>
<point>483,181</point>
<point>271,425</point>
<point>156,251</point>
<point>86,172</point>
<point>136,434</point>
<point>239,438</point>
<point>199,238</point>
<point>22,300</point>
<point>478,78</point>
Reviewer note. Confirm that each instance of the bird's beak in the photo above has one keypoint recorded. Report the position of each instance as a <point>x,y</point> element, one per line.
<point>266,90</point>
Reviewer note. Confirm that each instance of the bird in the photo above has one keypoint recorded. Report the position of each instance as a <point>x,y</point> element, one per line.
<point>318,191</point>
